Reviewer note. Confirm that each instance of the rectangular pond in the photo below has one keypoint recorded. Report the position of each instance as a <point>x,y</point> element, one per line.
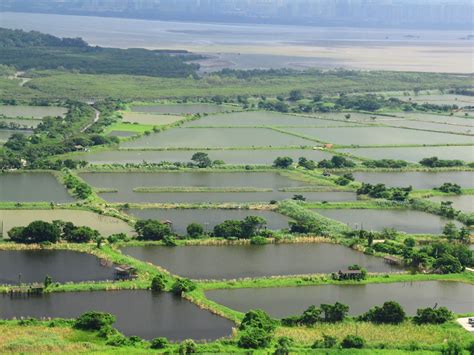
<point>431,126</point>
<point>288,301</point>
<point>21,122</point>
<point>208,218</point>
<point>415,154</point>
<point>32,111</point>
<point>261,118</point>
<point>217,138</point>
<point>104,224</point>
<point>467,121</point>
<point>5,134</point>
<point>234,157</point>
<point>62,265</point>
<point>238,261</point>
<point>28,187</point>
<point>139,312</point>
<point>181,109</point>
<point>464,203</point>
<point>366,136</point>
<point>417,179</point>
<point>150,119</point>
<point>408,221</point>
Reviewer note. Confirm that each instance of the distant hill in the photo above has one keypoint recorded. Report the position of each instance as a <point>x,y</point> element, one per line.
<point>35,50</point>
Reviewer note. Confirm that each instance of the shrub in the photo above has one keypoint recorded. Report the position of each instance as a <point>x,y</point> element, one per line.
<point>158,283</point>
<point>353,342</point>
<point>334,313</point>
<point>195,230</point>
<point>182,285</point>
<point>258,240</point>
<point>149,229</point>
<point>188,346</point>
<point>94,320</point>
<point>452,348</point>
<point>254,338</point>
<point>432,316</point>
<point>159,343</point>
<point>282,162</point>
<point>390,313</point>
<point>326,342</point>
<point>258,319</point>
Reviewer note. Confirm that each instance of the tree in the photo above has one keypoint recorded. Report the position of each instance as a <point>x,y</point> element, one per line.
<point>252,226</point>
<point>81,235</point>
<point>202,159</point>
<point>258,319</point>
<point>326,342</point>
<point>195,230</point>
<point>450,231</point>
<point>149,229</point>
<point>35,232</point>
<point>390,313</point>
<point>334,313</point>
<point>48,280</point>
<point>310,316</point>
<point>307,164</point>
<point>183,285</point>
<point>188,346</point>
<point>283,345</point>
<point>353,342</point>
<point>448,264</point>
<point>159,343</point>
<point>432,315</point>
<point>256,330</point>
<point>158,283</point>
<point>282,162</point>
<point>94,321</point>
<point>296,95</point>
<point>228,229</point>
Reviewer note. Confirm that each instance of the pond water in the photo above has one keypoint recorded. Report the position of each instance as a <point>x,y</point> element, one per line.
<point>464,203</point>
<point>457,297</point>
<point>445,99</point>
<point>150,119</point>
<point>139,312</point>
<point>462,120</point>
<point>178,109</point>
<point>32,111</point>
<point>356,117</point>
<point>407,221</point>
<point>261,118</point>
<point>366,136</point>
<point>440,127</point>
<point>237,261</point>
<point>24,123</point>
<point>123,134</point>
<point>25,187</point>
<point>217,138</point>
<point>415,154</point>
<point>7,133</point>
<point>104,224</point>
<point>61,265</point>
<point>208,218</point>
<point>417,179</point>
<point>237,157</point>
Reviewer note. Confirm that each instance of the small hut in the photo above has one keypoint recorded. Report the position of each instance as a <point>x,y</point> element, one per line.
<point>125,272</point>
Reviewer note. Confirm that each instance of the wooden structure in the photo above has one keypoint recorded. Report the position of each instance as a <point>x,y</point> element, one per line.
<point>125,272</point>
<point>26,289</point>
<point>356,275</point>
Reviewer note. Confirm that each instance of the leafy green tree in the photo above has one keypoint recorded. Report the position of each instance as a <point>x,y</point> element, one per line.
<point>81,235</point>
<point>448,264</point>
<point>390,313</point>
<point>282,162</point>
<point>254,338</point>
<point>228,229</point>
<point>432,315</point>
<point>48,280</point>
<point>450,231</point>
<point>195,230</point>
<point>306,163</point>
<point>188,346</point>
<point>334,313</point>
<point>94,320</point>
<point>159,343</point>
<point>149,229</point>
<point>283,345</point>
<point>35,232</point>
<point>258,319</point>
<point>326,342</point>
<point>311,316</point>
<point>202,160</point>
<point>252,225</point>
<point>182,285</point>
<point>296,95</point>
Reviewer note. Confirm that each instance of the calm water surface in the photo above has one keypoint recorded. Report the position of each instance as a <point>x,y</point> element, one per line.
<point>180,109</point>
<point>61,265</point>
<point>287,301</point>
<point>464,203</point>
<point>227,262</point>
<point>415,222</point>
<point>141,313</point>
<point>417,179</point>
<point>26,187</point>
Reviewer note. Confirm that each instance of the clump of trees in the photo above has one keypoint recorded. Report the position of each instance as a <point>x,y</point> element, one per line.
<point>336,162</point>
<point>345,179</point>
<point>382,191</point>
<point>312,315</point>
<point>389,313</point>
<point>149,229</point>
<point>435,162</point>
<point>307,163</point>
<point>449,188</point>
<point>282,162</point>
<point>256,330</point>
<point>45,232</point>
<point>385,163</point>
<point>250,227</point>
<point>80,189</point>
<point>433,315</point>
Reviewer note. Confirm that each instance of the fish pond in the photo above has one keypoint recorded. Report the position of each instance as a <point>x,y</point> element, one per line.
<point>366,136</point>
<point>238,261</point>
<point>21,122</point>
<point>415,154</point>
<point>150,119</point>
<point>217,138</point>
<point>457,297</point>
<point>5,134</point>
<point>138,312</point>
<point>408,221</point>
<point>29,187</point>
<point>234,157</point>
<point>62,265</point>
<point>262,118</point>
<point>181,109</point>
<point>417,179</point>
<point>464,203</point>
<point>208,218</point>
<point>104,224</point>
<point>32,111</point>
